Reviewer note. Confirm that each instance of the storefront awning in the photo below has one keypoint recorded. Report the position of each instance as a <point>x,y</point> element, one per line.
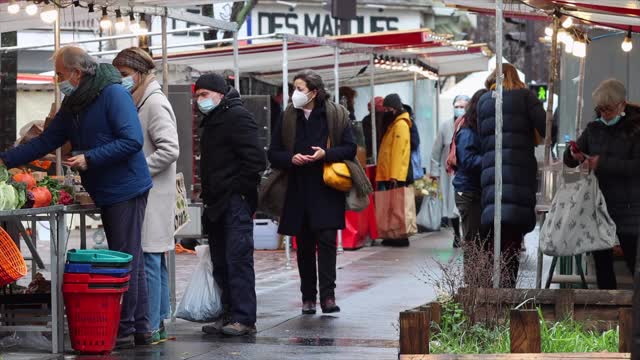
<point>264,61</point>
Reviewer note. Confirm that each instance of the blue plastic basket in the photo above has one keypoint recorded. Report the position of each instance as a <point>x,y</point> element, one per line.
<point>92,269</point>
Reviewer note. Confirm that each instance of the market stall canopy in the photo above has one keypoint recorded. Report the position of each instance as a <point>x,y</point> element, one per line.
<point>617,14</point>
<point>264,61</point>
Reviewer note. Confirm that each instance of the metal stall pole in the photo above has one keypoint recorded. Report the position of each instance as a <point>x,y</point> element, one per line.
<point>56,40</point>
<point>285,101</point>
<point>374,131</point>
<point>580,104</point>
<point>415,92</point>
<point>236,66</point>
<point>171,255</point>
<point>336,76</point>
<point>497,216</point>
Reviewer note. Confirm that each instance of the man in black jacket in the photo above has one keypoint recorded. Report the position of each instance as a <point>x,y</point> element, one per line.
<point>231,166</point>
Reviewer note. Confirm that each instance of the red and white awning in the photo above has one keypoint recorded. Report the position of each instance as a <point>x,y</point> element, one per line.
<point>265,60</point>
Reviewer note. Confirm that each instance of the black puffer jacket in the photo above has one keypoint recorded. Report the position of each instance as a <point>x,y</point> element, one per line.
<point>618,147</point>
<point>231,158</point>
<point>522,113</point>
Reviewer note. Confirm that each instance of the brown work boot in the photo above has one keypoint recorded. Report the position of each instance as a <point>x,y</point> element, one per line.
<point>238,329</point>
<point>216,326</point>
<point>308,307</point>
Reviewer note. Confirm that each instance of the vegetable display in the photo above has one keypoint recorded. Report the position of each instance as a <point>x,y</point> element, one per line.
<point>26,179</point>
<point>20,190</point>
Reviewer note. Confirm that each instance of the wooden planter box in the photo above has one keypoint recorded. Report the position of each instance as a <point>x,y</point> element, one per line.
<point>601,309</point>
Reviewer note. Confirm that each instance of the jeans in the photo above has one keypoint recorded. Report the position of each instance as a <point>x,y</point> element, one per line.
<point>123,226</point>
<point>155,266</point>
<point>325,242</point>
<point>603,259</point>
<point>231,248</point>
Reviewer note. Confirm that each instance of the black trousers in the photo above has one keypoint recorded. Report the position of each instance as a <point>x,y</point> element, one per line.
<point>325,243</point>
<point>123,227</point>
<point>605,276</point>
<point>231,248</point>
<point>470,209</point>
<point>511,240</point>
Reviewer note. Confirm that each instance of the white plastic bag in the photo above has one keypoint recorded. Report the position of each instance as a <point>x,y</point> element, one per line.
<point>201,300</point>
<point>430,214</point>
<point>578,221</point>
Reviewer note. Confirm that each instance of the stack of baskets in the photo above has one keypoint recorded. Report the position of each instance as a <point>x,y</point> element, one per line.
<point>12,265</point>
<point>94,283</point>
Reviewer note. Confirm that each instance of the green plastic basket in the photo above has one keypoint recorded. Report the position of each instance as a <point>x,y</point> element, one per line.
<point>98,256</point>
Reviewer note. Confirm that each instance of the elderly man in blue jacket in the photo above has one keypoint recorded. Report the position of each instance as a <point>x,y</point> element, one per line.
<point>100,120</point>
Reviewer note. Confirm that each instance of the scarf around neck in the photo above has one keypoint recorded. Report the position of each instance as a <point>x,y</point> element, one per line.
<point>141,89</point>
<point>90,88</point>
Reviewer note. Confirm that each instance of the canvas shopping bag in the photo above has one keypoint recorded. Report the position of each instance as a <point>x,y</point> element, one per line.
<point>396,213</point>
<point>578,221</point>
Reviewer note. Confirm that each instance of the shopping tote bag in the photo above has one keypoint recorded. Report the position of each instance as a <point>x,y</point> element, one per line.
<point>578,221</point>
<point>396,213</point>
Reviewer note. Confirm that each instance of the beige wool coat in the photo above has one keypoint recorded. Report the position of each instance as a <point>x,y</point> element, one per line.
<point>161,150</point>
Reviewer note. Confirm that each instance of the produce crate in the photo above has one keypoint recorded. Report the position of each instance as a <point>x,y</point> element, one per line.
<point>24,310</point>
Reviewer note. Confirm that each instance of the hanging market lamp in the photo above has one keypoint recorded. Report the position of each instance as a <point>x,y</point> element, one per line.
<point>568,22</point>
<point>627,44</point>
<point>31,9</point>
<point>120,23</point>
<point>90,6</point>
<point>49,15</point>
<point>105,21</point>
<point>568,44</point>
<point>548,31</point>
<point>133,23</point>
<point>143,28</point>
<point>580,48</point>
<point>13,7</point>
<point>76,3</point>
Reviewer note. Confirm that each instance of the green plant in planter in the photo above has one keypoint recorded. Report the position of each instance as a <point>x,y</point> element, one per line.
<point>456,335</point>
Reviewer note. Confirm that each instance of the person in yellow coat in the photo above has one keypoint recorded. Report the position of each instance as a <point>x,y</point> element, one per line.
<point>395,153</point>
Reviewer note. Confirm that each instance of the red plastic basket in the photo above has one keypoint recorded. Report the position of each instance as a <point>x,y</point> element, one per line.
<point>12,265</point>
<point>93,315</point>
<point>84,278</point>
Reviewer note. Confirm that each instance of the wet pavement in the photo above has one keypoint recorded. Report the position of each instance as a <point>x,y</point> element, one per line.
<point>374,284</point>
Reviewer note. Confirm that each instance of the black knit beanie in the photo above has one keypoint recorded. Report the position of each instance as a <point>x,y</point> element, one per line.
<point>393,101</point>
<point>213,82</point>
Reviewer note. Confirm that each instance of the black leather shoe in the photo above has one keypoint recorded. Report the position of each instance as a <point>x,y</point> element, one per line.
<point>125,342</point>
<point>142,339</point>
<point>309,307</point>
<point>329,306</point>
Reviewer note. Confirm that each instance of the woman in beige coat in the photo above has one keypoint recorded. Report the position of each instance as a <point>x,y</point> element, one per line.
<point>161,150</point>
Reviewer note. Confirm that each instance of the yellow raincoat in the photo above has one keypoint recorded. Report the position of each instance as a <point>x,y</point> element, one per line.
<point>395,150</point>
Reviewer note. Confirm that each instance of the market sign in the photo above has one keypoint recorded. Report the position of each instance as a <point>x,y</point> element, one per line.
<point>317,22</point>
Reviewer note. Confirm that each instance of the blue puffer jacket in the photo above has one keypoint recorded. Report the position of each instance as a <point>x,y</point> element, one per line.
<point>522,113</point>
<point>469,161</point>
<point>109,134</point>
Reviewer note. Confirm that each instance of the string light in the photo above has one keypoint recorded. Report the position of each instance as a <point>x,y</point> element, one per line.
<point>90,7</point>
<point>120,24</point>
<point>580,48</point>
<point>548,31</point>
<point>143,28</point>
<point>133,24</point>
<point>568,22</point>
<point>627,43</point>
<point>13,7</point>
<point>31,9</point>
<point>49,15</point>
<point>568,44</point>
<point>105,21</point>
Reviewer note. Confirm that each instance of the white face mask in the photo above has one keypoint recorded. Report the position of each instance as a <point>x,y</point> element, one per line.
<point>299,99</point>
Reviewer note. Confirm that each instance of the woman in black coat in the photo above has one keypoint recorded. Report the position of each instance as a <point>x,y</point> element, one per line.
<point>313,212</point>
<point>612,144</point>
<point>522,115</point>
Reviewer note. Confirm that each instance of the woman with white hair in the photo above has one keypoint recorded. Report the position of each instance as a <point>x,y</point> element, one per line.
<point>610,147</point>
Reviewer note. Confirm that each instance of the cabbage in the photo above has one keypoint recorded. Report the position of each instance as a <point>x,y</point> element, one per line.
<point>21,191</point>
<point>9,196</point>
<point>4,174</point>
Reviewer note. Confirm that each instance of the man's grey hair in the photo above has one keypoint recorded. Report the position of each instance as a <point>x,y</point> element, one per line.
<point>609,92</point>
<point>75,58</point>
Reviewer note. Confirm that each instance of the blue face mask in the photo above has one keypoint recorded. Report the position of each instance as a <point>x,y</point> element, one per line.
<point>206,106</point>
<point>458,112</point>
<point>66,88</point>
<point>611,122</point>
<point>128,83</point>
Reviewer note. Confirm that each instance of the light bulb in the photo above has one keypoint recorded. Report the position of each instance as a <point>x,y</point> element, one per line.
<point>13,7</point>
<point>31,9</point>
<point>548,31</point>
<point>568,22</point>
<point>143,27</point>
<point>562,36</point>
<point>568,44</point>
<point>580,49</point>
<point>627,44</point>
<point>105,21</point>
<point>49,15</point>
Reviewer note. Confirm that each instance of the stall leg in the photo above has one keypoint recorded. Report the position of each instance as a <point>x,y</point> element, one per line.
<point>83,231</point>
<point>172,283</point>
<point>340,248</point>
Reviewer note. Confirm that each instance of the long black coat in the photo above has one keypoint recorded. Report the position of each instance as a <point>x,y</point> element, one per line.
<point>618,147</point>
<point>232,159</point>
<point>522,113</point>
<point>308,199</point>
